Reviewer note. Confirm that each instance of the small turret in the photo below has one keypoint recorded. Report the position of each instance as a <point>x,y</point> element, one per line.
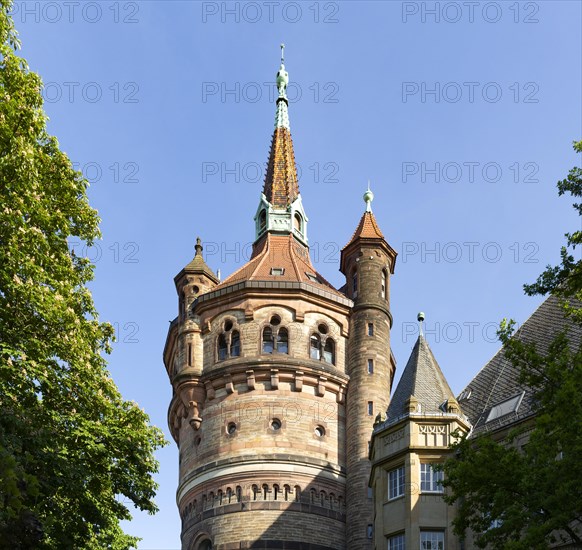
<point>367,262</point>
<point>194,279</point>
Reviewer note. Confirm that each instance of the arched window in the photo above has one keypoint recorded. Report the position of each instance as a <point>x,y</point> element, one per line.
<point>235,343</point>
<point>268,344</point>
<point>384,283</point>
<point>315,347</point>
<point>222,347</point>
<point>329,351</point>
<point>298,222</point>
<point>275,338</point>
<point>228,344</point>
<point>262,221</point>
<point>205,545</point>
<point>322,346</point>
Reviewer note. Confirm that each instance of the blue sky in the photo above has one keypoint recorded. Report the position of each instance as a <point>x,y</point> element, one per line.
<point>461,119</point>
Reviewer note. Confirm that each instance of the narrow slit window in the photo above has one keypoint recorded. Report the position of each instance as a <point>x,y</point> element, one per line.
<point>370,329</point>
<point>370,366</point>
<point>370,408</point>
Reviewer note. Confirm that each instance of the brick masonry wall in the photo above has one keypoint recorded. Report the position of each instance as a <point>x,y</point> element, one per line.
<point>239,474</point>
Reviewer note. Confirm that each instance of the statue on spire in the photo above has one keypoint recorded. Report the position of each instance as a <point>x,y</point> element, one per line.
<point>282,76</point>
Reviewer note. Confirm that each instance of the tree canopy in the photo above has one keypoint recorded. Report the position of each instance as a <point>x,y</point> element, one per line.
<point>528,497</point>
<point>72,450</point>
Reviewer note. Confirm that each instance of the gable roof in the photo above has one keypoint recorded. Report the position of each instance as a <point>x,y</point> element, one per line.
<point>497,399</point>
<point>423,379</point>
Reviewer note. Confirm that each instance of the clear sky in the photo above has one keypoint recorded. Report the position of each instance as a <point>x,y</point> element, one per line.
<point>462,119</point>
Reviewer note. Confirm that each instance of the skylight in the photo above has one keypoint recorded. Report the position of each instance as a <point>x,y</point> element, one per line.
<point>505,407</point>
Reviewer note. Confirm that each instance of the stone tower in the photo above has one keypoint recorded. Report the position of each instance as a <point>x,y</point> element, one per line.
<point>261,366</point>
<point>367,262</point>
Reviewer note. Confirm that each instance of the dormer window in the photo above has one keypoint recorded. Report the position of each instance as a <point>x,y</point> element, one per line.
<point>312,277</point>
<point>298,222</point>
<point>262,221</point>
<point>277,271</point>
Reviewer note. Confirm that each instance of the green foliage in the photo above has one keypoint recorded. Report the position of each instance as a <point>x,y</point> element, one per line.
<point>523,492</point>
<point>71,449</point>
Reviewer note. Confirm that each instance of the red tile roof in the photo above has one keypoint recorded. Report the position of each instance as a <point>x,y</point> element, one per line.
<point>367,229</point>
<point>279,252</point>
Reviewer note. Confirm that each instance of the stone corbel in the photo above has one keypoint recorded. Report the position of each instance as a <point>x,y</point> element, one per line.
<point>274,379</point>
<point>251,379</point>
<point>193,416</point>
<point>192,397</point>
<point>228,385</point>
<point>320,392</point>
<point>341,394</point>
<point>210,394</point>
<point>298,380</point>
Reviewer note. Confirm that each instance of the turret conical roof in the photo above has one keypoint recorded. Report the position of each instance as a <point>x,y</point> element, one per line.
<point>422,379</point>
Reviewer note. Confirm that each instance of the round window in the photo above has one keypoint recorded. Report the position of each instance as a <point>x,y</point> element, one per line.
<point>322,328</point>
<point>231,428</point>
<point>319,431</point>
<point>275,424</point>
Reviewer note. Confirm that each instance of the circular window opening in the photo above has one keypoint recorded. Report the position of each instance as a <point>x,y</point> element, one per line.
<point>227,325</point>
<point>195,289</point>
<point>231,428</point>
<point>197,441</point>
<point>322,328</point>
<point>275,424</point>
<point>275,320</point>
<point>319,431</point>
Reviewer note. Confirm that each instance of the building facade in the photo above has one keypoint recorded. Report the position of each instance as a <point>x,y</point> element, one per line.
<point>277,378</point>
<point>424,418</point>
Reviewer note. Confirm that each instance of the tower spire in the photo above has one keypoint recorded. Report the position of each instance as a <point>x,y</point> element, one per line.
<point>280,209</point>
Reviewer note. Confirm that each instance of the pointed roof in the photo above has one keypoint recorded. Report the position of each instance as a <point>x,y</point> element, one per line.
<point>367,229</point>
<point>423,379</point>
<point>197,264</point>
<point>279,258</point>
<point>281,184</point>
